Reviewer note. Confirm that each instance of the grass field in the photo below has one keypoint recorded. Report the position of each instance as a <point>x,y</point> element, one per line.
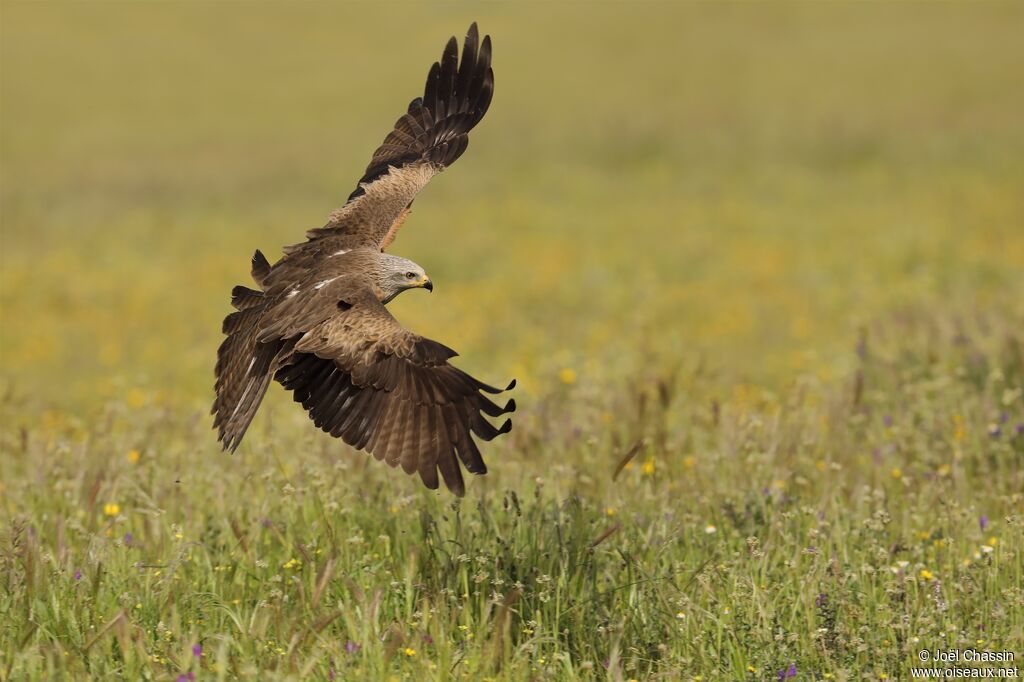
<point>759,271</point>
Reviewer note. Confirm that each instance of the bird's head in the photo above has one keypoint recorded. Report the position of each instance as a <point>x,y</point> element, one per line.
<point>399,274</point>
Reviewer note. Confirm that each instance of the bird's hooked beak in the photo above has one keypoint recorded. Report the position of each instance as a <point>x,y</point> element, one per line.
<point>427,284</point>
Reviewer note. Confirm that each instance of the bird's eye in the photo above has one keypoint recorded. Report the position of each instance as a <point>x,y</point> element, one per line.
<point>410,275</point>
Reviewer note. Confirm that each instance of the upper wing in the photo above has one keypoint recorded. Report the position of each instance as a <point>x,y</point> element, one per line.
<point>368,380</point>
<point>428,138</point>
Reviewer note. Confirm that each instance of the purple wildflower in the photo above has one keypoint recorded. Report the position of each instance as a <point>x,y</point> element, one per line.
<point>351,647</point>
<point>1019,429</point>
<point>606,662</point>
<point>267,523</point>
<point>428,640</point>
<point>197,650</point>
<point>820,600</point>
<point>983,522</point>
<point>330,672</point>
<point>994,431</point>
<point>1004,416</point>
<point>78,574</point>
<point>789,672</point>
<point>887,420</point>
<point>128,539</point>
<point>876,454</point>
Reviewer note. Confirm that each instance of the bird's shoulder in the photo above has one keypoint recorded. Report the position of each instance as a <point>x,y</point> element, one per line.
<point>317,261</point>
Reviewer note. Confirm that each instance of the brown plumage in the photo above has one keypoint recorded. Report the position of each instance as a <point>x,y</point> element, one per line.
<point>318,323</point>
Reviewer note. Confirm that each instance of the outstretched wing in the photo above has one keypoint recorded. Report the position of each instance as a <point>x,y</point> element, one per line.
<point>427,139</point>
<point>369,381</point>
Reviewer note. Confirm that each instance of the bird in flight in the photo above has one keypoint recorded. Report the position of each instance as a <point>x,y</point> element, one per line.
<point>317,323</point>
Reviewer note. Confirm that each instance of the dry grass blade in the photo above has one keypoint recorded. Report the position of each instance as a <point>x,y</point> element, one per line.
<point>103,630</point>
<point>501,625</point>
<point>605,535</point>
<point>321,583</point>
<point>629,457</point>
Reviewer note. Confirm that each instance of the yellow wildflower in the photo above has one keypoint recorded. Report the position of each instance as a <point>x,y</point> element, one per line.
<point>648,468</point>
<point>927,575</point>
<point>410,652</point>
<point>896,472</point>
<point>610,511</point>
<point>111,509</point>
<point>992,541</point>
<point>292,563</point>
<point>959,432</point>
<point>567,376</point>
<point>690,462</point>
<point>134,456</point>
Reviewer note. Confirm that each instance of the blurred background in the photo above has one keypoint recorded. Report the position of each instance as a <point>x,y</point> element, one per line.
<point>733,187</point>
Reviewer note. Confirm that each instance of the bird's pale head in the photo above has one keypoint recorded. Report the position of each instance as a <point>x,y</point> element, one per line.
<point>398,274</point>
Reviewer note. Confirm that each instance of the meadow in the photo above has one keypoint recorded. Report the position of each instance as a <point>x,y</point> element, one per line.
<point>758,271</point>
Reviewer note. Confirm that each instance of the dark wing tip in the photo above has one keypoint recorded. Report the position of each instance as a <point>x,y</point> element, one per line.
<point>511,385</point>
<point>510,406</point>
<point>260,267</point>
<point>436,126</point>
<point>430,480</point>
<point>506,427</point>
<point>451,48</point>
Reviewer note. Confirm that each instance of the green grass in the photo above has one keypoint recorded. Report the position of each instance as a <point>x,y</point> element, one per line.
<point>766,263</point>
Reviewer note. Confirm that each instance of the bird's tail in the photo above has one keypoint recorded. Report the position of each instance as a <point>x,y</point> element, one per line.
<point>244,365</point>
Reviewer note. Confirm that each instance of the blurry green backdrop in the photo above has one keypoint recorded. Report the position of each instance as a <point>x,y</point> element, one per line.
<point>735,186</point>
